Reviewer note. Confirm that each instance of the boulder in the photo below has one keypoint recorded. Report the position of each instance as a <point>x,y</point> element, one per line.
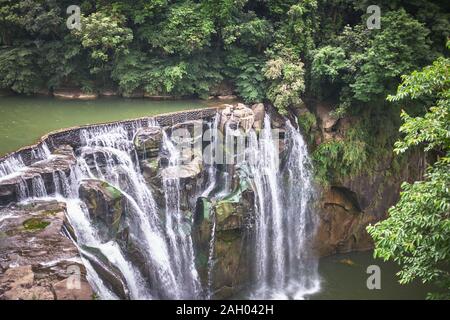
<point>147,142</point>
<point>106,206</point>
<point>232,217</point>
<point>74,94</point>
<point>259,112</point>
<point>236,117</point>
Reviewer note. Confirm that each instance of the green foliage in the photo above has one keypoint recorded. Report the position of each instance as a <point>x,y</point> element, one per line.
<point>17,71</point>
<point>307,121</point>
<point>175,76</point>
<point>398,48</point>
<point>246,71</point>
<point>336,159</point>
<point>105,37</point>
<point>285,73</point>
<point>186,29</point>
<point>417,232</point>
<point>275,50</point>
<point>328,62</point>
<point>252,32</point>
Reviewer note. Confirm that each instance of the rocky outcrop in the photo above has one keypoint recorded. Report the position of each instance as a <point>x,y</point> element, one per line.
<point>30,180</point>
<point>232,217</point>
<point>106,206</point>
<point>74,94</point>
<point>350,203</point>
<point>237,117</point>
<point>259,112</point>
<point>147,142</point>
<point>36,260</point>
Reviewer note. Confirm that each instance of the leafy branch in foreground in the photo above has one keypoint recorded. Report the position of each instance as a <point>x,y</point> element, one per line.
<point>417,233</point>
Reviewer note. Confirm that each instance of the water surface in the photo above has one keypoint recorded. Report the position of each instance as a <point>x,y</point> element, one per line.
<point>23,120</point>
<point>344,276</point>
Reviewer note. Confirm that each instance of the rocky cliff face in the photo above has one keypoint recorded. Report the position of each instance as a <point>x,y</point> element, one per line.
<point>348,204</point>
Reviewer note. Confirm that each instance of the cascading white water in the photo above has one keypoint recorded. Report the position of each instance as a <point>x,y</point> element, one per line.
<point>179,240</point>
<point>210,157</point>
<point>11,165</point>
<point>284,268</point>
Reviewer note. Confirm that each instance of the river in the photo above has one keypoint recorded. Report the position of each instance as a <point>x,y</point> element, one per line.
<point>23,120</point>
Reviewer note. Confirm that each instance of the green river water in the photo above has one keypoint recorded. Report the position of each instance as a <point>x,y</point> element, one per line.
<point>23,120</point>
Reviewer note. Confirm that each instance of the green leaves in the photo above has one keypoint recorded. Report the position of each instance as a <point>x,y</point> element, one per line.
<point>104,36</point>
<point>185,29</point>
<point>285,74</point>
<point>417,232</point>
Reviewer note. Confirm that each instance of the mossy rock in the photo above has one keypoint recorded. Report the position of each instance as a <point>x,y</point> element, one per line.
<point>34,224</point>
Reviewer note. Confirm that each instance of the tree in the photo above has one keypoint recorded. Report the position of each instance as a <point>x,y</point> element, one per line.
<point>104,36</point>
<point>417,233</point>
<point>285,72</point>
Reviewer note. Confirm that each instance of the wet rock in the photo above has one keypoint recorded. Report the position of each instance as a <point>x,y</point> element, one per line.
<point>237,117</point>
<point>147,142</point>
<point>41,174</point>
<point>34,253</point>
<point>106,206</point>
<point>259,112</point>
<point>111,276</point>
<point>233,215</point>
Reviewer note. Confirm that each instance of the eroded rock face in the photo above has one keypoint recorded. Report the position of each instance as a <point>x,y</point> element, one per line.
<point>36,260</point>
<point>259,112</point>
<point>232,215</point>
<point>351,203</point>
<point>147,142</point>
<point>237,117</point>
<point>342,224</point>
<point>106,206</point>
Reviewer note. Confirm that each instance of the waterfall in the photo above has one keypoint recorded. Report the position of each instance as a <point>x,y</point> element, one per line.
<point>209,157</point>
<point>160,231</point>
<point>283,264</point>
<point>180,245</point>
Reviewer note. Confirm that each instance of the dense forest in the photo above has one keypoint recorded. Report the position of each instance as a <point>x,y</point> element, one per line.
<point>285,53</point>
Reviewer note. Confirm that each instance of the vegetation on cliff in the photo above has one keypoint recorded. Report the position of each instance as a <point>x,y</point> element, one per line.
<point>417,232</point>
